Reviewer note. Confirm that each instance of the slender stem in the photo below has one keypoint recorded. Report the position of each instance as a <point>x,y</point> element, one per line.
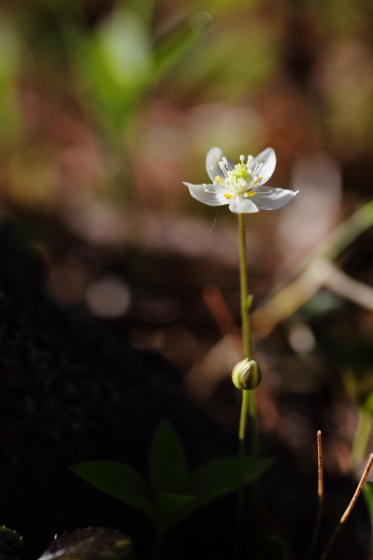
<point>363,430</point>
<point>244,410</point>
<point>241,454</point>
<point>320,493</point>
<point>245,302</point>
<point>353,501</point>
<point>248,397</point>
<point>248,406</point>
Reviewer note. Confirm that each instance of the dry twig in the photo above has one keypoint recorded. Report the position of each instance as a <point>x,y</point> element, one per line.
<point>359,488</point>
<point>320,493</point>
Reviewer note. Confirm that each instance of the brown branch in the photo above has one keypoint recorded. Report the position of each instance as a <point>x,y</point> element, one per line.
<point>359,488</point>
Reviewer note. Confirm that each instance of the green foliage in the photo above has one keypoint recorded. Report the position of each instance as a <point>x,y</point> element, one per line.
<point>175,494</point>
<point>118,62</point>
<point>170,508</point>
<point>111,65</point>
<point>93,543</point>
<point>221,476</point>
<point>11,544</point>
<point>118,480</point>
<point>168,467</point>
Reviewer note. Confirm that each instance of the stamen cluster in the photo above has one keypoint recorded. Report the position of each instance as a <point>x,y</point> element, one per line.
<point>241,178</point>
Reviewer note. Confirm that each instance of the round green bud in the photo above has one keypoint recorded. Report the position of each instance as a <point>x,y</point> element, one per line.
<point>246,375</point>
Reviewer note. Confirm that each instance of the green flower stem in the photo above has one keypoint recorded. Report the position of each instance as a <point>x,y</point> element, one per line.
<point>248,406</point>
<point>245,303</point>
<point>248,397</point>
<point>363,430</point>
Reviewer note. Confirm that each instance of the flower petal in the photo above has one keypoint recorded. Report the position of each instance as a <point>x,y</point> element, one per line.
<point>240,205</point>
<point>268,158</point>
<point>213,158</point>
<point>212,195</point>
<point>267,198</point>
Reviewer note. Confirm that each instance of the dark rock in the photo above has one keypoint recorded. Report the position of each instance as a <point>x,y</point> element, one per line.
<point>71,391</point>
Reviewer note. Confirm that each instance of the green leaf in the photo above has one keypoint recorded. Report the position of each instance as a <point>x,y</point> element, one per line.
<point>113,65</point>
<point>209,482</point>
<point>11,544</point>
<point>169,506</point>
<point>124,46</point>
<point>168,468</point>
<point>118,480</point>
<point>221,476</point>
<point>93,543</point>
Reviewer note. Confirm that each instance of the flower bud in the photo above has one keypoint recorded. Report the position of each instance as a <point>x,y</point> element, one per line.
<point>246,375</point>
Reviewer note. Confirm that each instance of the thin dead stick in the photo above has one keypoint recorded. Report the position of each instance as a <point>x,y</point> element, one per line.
<point>320,473</point>
<point>359,488</point>
<point>320,494</point>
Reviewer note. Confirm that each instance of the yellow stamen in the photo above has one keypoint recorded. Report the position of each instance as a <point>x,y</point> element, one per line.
<point>229,196</point>
<point>218,179</point>
<point>251,193</point>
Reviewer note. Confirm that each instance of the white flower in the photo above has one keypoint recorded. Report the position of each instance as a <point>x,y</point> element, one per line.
<point>241,185</point>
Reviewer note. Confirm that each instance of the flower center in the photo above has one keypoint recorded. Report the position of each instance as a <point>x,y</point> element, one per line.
<point>241,178</point>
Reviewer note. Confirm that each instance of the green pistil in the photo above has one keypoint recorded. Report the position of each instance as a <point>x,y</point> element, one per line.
<point>240,172</point>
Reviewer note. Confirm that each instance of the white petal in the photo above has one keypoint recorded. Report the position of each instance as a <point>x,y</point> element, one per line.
<point>241,205</point>
<point>267,198</point>
<point>213,197</point>
<point>212,163</point>
<point>268,158</point>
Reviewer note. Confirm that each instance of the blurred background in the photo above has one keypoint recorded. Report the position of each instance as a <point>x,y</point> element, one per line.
<point>106,106</point>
